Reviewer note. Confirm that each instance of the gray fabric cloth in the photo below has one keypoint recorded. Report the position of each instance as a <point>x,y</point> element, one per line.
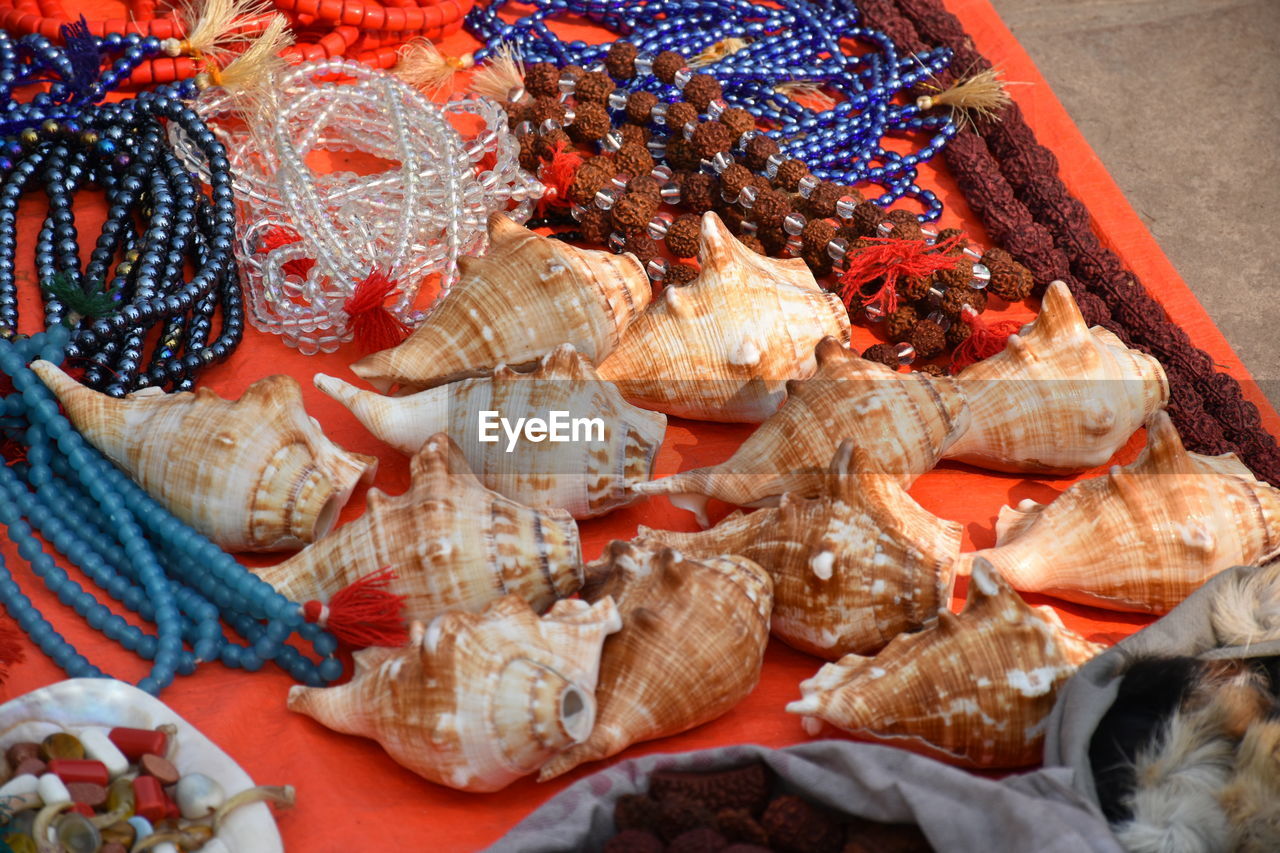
<point>1082,701</point>
<point>957,811</point>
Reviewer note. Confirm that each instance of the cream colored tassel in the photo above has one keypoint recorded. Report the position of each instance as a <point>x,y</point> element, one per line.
<point>423,65</point>
<point>501,75</point>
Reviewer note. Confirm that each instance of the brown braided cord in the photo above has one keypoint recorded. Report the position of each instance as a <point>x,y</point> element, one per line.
<point>1012,184</point>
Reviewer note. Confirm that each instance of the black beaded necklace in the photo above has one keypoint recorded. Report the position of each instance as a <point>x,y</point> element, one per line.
<point>159,222</point>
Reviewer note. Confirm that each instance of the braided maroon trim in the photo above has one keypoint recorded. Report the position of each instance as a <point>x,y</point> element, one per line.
<point>1012,183</point>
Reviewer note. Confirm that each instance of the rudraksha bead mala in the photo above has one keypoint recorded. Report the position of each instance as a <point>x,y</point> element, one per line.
<point>711,157</point>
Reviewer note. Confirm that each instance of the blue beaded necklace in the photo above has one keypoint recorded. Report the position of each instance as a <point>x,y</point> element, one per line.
<point>792,43</point>
<point>131,548</point>
<point>54,482</point>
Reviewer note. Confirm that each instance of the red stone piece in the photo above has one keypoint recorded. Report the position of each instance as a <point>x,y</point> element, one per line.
<point>80,770</point>
<point>149,798</point>
<point>135,743</point>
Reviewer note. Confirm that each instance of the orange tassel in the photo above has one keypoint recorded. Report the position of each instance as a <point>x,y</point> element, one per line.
<point>277,236</point>
<point>556,175</point>
<point>892,259</point>
<point>374,327</point>
<point>984,341</point>
<point>363,614</point>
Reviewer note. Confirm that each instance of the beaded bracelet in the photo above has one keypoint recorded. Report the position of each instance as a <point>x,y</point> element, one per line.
<point>1011,181</point>
<point>880,258</point>
<point>130,547</point>
<point>337,256</point>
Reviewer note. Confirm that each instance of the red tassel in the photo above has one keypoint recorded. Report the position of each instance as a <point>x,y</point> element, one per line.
<point>984,341</point>
<point>12,650</point>
<point>556,175</point>
<point>363,614</point>
<point>277,236</point>
<point>374,327</point>
<point>891,259</point>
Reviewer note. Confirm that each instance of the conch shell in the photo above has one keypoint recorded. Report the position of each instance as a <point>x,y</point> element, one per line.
<point>254,474</point>
<point>1144,536</point>
<point>475,701</point>
<point>722,347</point>
<point>851,569</point>
<point>903,420</point>
<point>973,689</point>
<point>452,544</point>
<point>1061,397</point>
<point>691,645</point>
<point>588,475</point>
<point>527,295</point>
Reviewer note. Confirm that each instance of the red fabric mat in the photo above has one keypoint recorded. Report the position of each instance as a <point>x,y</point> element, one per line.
<point>351,796</point>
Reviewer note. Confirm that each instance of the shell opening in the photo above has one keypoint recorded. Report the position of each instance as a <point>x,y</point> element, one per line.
<point>576,714</point>
<point>327,516</point>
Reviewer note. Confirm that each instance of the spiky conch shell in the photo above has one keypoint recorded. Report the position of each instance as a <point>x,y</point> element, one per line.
<point>452,544</point>
<point>851,568</point>
<point>903,420</point>
<point>1143,536</point>
<point>722,347</point>
<point>1060,397</point>
<point>254,474</point>
<point>585,476</point>
<point>691,646</point>
<point>974,689</point>
<point>526,294</point>
<point>475,701</point>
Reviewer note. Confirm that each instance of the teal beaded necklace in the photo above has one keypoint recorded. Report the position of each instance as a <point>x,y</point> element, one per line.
<point>131,548</point>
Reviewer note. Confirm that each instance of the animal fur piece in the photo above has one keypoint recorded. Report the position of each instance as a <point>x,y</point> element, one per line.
<point>1247,610</point>
<point>1180,801</point>
<point>1175,804</point>
<point>1252,799</point>
<point>1151,690</point>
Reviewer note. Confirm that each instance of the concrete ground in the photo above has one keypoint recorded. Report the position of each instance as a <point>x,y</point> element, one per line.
<point>1181,100</point>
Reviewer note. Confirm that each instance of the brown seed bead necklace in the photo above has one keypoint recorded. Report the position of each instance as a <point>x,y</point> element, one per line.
<point>696,154</point>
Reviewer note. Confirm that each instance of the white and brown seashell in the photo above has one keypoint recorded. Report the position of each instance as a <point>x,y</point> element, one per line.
<point>691,645</point>
<point>903,420</point>
<point>1143,536</point>
<point>254,474</point>
<point>974,689</point>
<point>851,568</point>
<point>1060,398</point>
<point>475,700</point>
<point>452,543</point>
<point>722,347</point>
<point>526,295</point>
<point>588,475</point>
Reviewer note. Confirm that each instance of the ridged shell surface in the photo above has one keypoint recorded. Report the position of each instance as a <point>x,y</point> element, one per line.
<point>601,447</point>
<point>527,295</point>
<point>691,645</point>
<point>1060,398</point>
<point>974,689</point>
<point>254,474</point>
<point>851,568</point>
<point>475,700</point>
<point>452,543</point>
<point>1143,536</point>
<point>903,420</point>
<point>722,347</point>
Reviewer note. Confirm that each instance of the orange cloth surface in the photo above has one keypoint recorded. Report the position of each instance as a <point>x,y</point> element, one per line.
<point>351,796</point>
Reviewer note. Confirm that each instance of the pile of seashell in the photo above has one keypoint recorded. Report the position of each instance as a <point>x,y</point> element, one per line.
<point>507,675</point>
